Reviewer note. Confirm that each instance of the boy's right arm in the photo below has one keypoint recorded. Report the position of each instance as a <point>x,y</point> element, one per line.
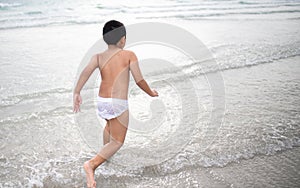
<point>138,77</point>
<point>144,86</point>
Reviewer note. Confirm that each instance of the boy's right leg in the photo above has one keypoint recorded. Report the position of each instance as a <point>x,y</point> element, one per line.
<point>90,181</point>
<point>118,129</point>
<point>106,133</point>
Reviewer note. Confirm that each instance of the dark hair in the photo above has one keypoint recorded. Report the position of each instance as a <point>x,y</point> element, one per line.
<point>113,31</point>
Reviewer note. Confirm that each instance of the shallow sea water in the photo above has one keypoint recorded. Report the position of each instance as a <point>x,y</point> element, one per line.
<point>171,141</point>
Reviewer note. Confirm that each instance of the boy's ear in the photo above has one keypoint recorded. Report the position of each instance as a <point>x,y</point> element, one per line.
<point>123,39</point>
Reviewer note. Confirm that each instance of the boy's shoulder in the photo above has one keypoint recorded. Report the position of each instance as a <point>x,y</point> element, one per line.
<point>124,53</point>
<point>129,52</point>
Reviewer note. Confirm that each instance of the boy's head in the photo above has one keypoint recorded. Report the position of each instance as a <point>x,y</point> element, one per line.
<point>113,32</point>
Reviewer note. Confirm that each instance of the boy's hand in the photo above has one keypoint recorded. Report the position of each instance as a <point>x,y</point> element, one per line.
<point>154,93</point>
<point>77,101</point>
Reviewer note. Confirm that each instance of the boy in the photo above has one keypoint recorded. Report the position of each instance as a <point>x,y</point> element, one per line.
<point>114,65</point>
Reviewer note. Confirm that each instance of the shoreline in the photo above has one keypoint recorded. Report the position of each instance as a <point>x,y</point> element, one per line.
<point>235,174</point>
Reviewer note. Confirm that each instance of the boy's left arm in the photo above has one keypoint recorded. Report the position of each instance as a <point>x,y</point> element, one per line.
<point>84,76</point>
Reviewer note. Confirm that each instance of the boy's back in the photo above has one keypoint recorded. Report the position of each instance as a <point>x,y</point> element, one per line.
<point>114,66</point>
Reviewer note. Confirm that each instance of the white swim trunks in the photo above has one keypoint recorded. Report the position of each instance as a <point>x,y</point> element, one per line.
<point>109,108</point>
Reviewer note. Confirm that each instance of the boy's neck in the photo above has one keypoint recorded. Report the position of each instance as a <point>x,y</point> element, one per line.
<point>113,47</point>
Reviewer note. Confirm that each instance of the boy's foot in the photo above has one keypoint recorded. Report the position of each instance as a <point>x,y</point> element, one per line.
<point>90,181</point>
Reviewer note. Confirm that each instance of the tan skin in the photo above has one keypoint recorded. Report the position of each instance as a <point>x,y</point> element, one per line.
<point>114,65</point>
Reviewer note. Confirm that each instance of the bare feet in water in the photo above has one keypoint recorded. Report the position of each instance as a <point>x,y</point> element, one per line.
<point>89,171</point>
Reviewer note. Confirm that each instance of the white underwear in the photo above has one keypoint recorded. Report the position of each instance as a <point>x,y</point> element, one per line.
<point>109,108</point>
